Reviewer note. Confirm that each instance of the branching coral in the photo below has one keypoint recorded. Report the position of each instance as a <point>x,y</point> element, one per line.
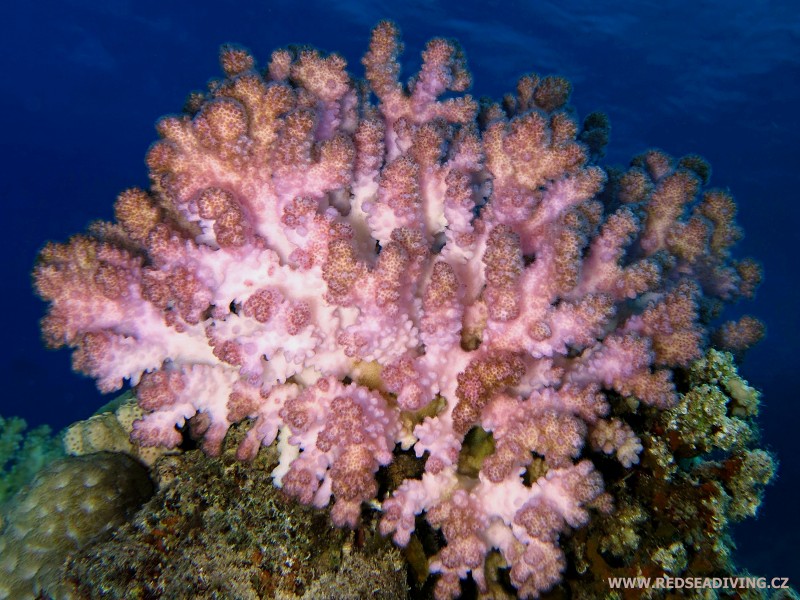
<point>23,454</point>
<point>297,236</point>
<point>700,471</point>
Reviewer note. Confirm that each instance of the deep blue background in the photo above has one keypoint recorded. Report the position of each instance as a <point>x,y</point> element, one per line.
<point>82,83</point>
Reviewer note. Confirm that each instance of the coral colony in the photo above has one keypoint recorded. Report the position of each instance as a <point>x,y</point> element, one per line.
<point>363,268</point>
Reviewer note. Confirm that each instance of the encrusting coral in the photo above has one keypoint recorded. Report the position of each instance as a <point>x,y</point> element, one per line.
<point>72,503</point>
<point>363,278</point>
<point>218,528</point>
<point>109,430</point>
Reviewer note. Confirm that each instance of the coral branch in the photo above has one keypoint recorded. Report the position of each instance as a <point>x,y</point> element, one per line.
<point>357,277</point>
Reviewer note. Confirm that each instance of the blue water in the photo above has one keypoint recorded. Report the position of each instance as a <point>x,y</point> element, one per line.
<point>82,82</point>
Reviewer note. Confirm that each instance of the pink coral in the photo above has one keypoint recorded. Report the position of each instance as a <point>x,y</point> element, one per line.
<point>297,236</point>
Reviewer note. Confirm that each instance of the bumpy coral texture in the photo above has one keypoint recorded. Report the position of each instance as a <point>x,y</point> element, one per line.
<point>357,266</point>
<point>73,502</point>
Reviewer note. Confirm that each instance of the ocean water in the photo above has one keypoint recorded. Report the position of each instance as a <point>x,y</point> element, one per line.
<point>83,83</point>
